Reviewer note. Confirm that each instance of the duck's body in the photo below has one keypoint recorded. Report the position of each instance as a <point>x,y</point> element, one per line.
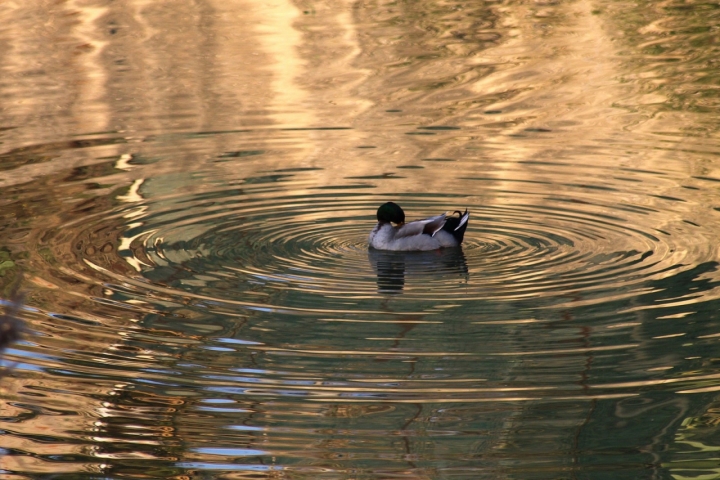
<point>420,235</point>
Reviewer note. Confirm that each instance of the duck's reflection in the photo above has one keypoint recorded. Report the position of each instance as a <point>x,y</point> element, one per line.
<point>393,267</point>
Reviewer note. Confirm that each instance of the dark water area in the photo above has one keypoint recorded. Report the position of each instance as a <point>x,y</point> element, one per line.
<point>188,188</point>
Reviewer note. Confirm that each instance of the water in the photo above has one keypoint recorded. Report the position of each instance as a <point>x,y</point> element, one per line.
<point>188,189</point>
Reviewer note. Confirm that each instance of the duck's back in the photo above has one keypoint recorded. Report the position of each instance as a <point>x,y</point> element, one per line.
<point>385,237</point>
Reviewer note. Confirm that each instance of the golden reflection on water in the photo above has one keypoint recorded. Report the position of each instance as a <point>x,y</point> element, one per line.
<point>189,186</point>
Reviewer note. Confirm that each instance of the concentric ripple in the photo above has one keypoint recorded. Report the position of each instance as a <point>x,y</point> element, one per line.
<point>270,272</point>
<point>285,249</point>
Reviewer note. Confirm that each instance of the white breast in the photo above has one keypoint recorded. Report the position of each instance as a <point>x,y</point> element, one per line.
<point>381,236</point>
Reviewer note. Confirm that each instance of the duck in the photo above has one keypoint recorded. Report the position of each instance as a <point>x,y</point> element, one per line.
<point>420,235</point>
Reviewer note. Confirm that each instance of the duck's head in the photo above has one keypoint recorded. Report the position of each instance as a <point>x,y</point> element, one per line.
<point>390,212</point>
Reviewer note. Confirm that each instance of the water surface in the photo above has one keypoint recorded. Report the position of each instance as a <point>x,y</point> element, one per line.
<point>188,189</point>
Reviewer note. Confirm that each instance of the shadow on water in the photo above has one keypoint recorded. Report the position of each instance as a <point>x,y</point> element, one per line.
<point>11,327</point>
<point>394,269</point>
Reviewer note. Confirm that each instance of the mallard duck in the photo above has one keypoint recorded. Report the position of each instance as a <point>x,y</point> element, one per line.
<point>429,234</point>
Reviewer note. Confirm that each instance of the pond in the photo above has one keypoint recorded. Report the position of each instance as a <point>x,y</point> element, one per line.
<point>186,194</point>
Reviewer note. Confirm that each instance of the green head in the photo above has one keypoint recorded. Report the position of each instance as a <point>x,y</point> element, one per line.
<point>390,212</point>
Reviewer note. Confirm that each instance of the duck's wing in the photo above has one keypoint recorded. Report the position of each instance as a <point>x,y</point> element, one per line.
<point>456,223</point>
<point>429,226</point>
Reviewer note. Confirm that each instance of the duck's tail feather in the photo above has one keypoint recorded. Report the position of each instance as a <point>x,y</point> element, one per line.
<point>457,225</point>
